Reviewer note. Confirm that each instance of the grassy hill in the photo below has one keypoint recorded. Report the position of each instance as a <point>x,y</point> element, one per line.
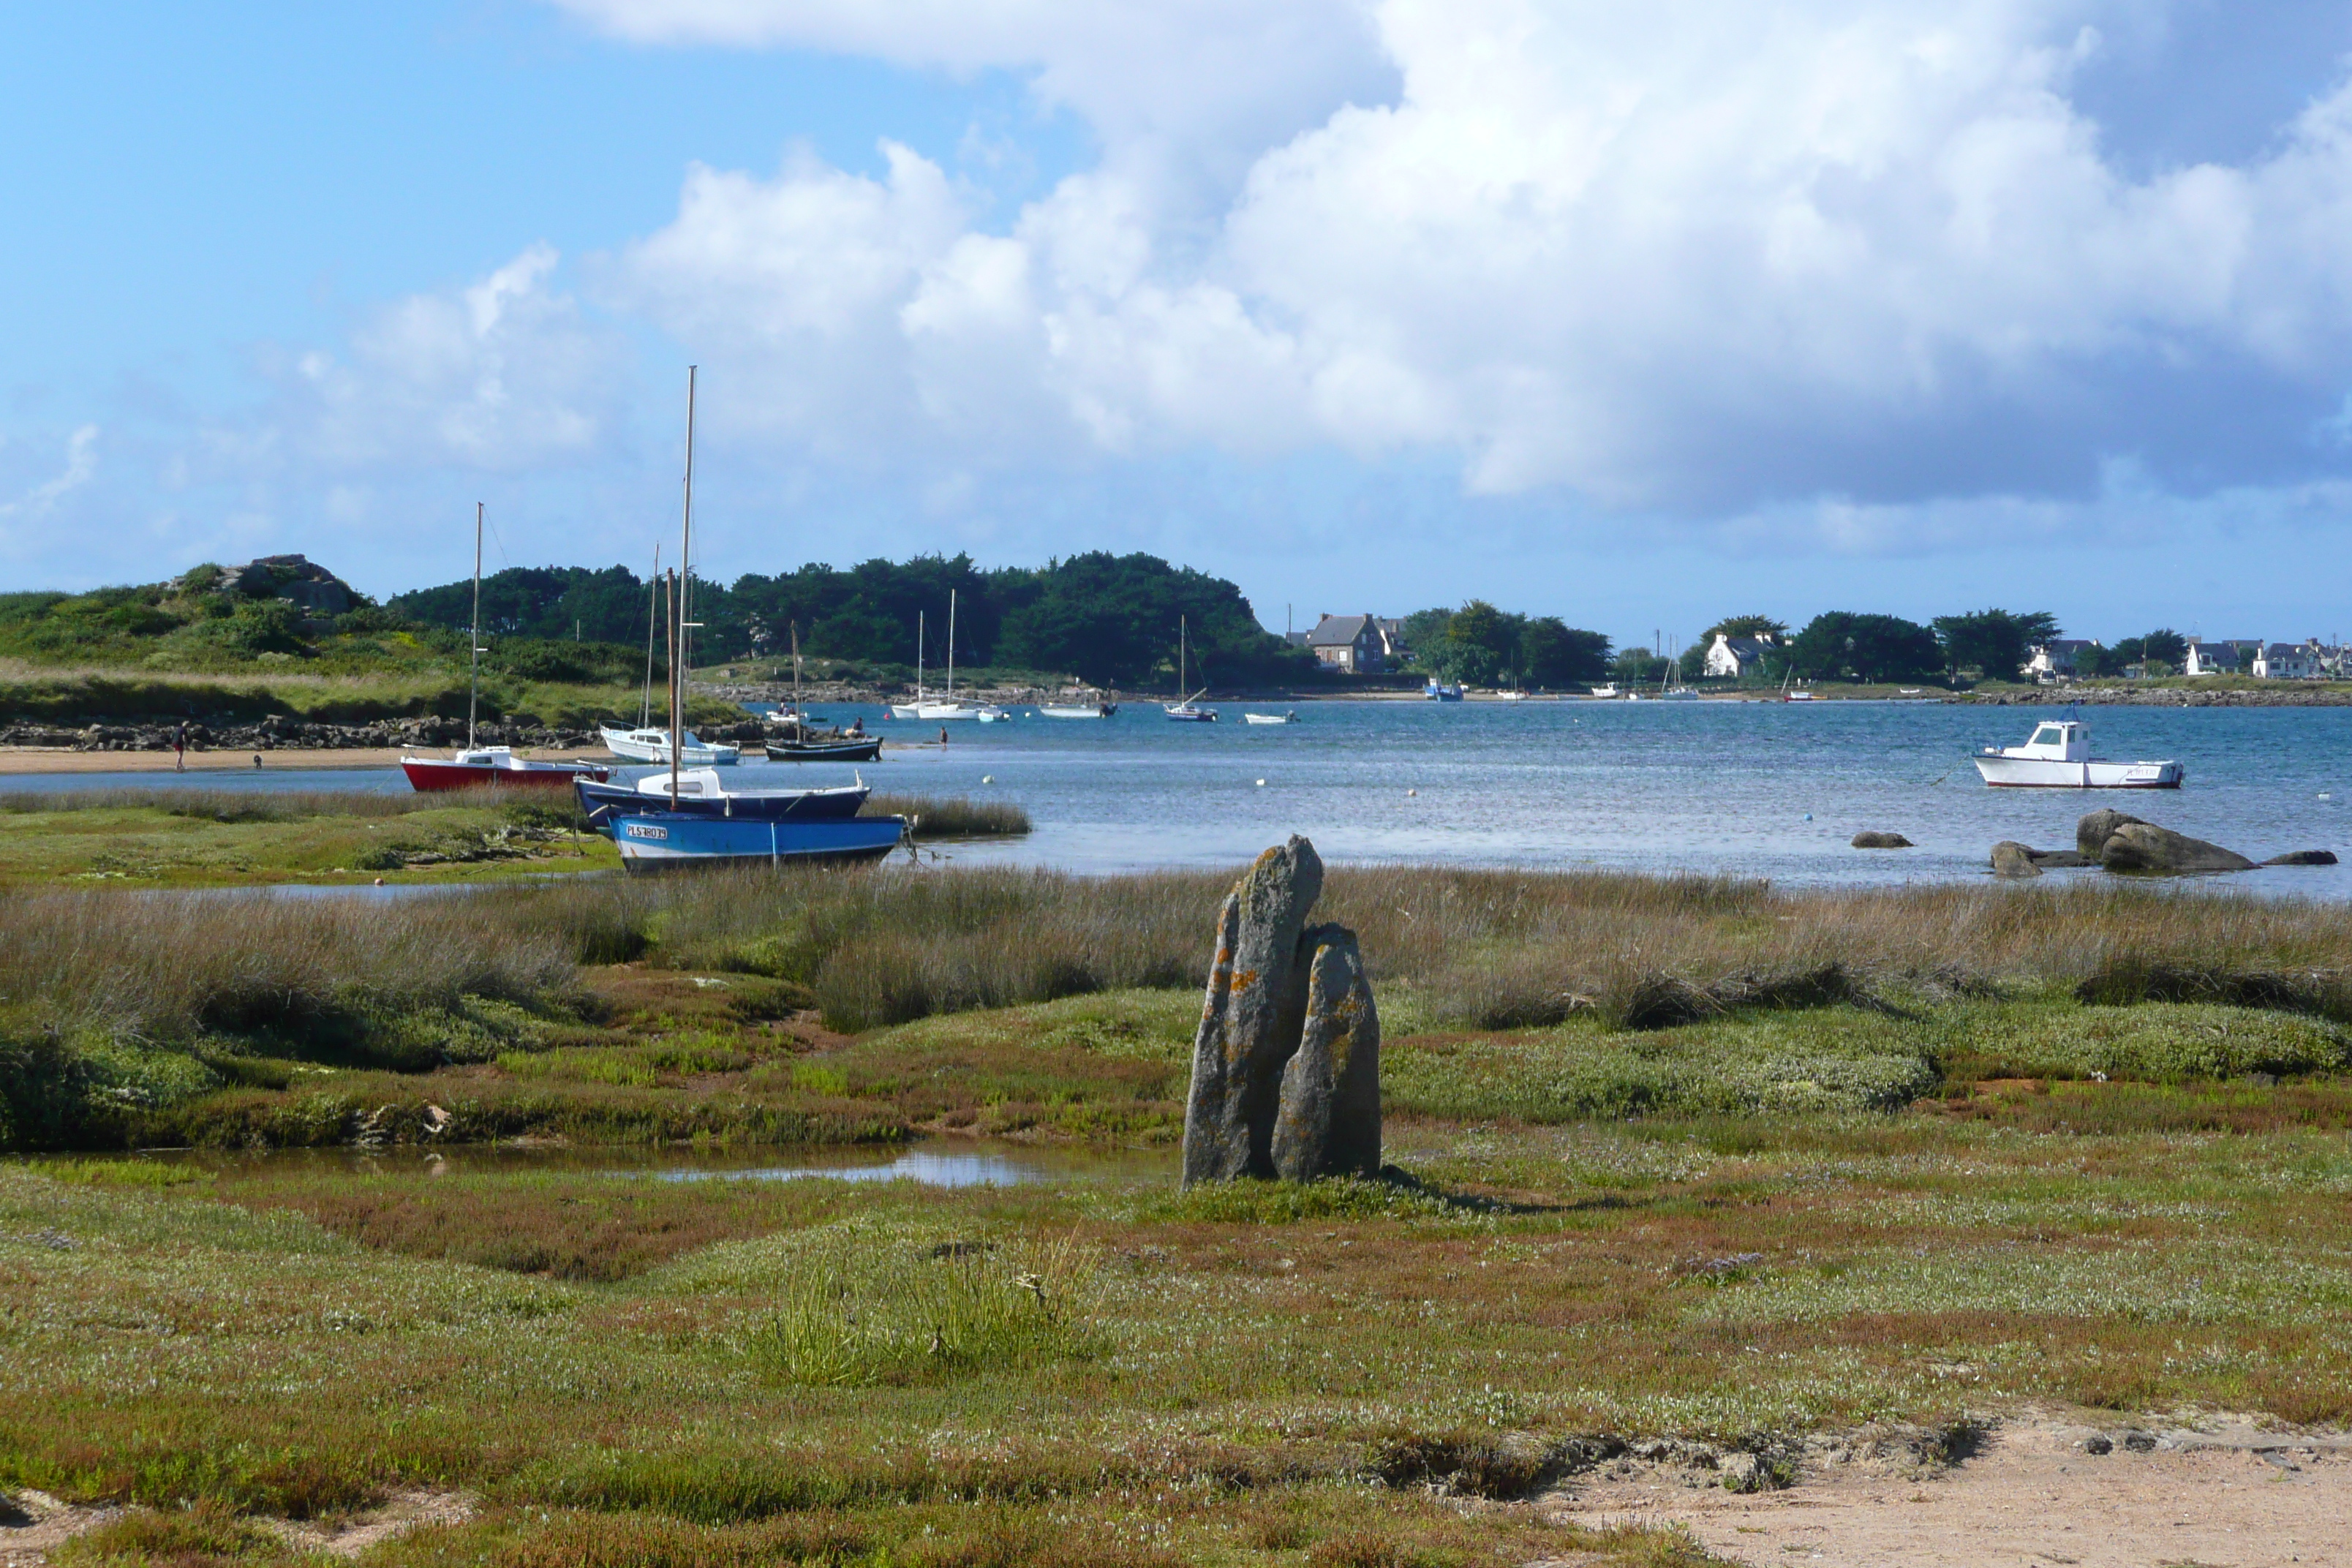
<point>190,648</point>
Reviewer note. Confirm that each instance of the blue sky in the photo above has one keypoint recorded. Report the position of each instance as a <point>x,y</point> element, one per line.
<point>1642,317</point>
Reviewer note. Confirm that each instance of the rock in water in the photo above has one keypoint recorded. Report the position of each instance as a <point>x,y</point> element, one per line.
<point>2303,858</point>
<point>1251,1017</point>
<point>1873,839</point>
<point>2091,834</point>
<point>2011,858</point>
<point>2145,846</point>
<point>1327,1119</point>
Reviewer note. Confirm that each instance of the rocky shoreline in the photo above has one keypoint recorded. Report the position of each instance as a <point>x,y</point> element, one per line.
<point>2159,697</point>
<point>280,732</point>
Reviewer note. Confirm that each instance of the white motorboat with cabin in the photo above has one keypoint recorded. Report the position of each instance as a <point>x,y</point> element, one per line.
<point>1606,692</point>
<point>1077,709</point>
<point>2058,756</point>
<point>650,745</point>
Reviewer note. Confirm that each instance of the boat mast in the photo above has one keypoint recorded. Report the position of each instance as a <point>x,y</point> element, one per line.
<point>683,575</point>
<point>474,676</point>
<point>653,617</point>
<point>951,646</point>
<point>1180,682</point>
<point>676,679</point>
<point>918,660</point>
<point>800,715</point>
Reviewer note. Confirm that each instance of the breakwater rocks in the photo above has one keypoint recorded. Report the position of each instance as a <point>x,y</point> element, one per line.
<point>280,733</point>
<point>2162,697</point>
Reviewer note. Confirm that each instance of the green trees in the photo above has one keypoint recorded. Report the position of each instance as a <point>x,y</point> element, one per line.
<point>1479,645</point>
<point>1744,626</point>
<point>1841,646</point>
<point>1994,643</point>
<point>1109,619</point>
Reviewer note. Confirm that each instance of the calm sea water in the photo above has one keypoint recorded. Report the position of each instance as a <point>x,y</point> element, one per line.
<point>1754,789</point>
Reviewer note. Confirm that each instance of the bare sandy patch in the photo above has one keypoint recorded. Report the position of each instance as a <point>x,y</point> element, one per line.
<point>2035,1491</point>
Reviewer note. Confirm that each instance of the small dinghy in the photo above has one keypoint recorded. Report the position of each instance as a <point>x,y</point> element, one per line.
<point>1289,718</point>
<point>1077,709</point>
<point>2058,756</point>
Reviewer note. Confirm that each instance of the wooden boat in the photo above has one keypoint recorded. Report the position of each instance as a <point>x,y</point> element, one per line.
<point>2058,756</point>
<point>476,766</point>
<point>496,767</point>
<point>865,750</point>
<point>1291,718</point>
<point>669,840</point>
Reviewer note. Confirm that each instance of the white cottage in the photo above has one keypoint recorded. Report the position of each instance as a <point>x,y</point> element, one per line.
<point>1729,657</point>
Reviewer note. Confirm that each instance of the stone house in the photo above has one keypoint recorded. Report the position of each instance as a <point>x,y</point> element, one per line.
<point>1729,657</point>
<point>1359,645</point>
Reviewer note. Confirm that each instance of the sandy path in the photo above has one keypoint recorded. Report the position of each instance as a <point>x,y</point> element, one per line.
<point>2032,1495</point>
<point>46,760</point>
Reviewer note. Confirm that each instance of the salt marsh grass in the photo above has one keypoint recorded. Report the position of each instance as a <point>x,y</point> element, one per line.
<point>866,1305</point>
<point>952,816</point>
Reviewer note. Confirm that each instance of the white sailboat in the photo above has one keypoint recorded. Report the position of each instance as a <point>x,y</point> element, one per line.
<point>1188,712</point>
<point>913,710</point>
<point>948,707</point>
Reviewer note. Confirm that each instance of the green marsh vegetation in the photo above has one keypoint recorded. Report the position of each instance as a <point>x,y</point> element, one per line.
<point>1682,1159</point>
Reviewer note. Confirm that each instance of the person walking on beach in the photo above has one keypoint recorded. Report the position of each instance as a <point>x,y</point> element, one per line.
<point>943,734</point>
<point>180,748</point>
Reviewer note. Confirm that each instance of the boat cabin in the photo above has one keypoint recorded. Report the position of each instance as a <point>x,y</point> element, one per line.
<point>2057,741</point>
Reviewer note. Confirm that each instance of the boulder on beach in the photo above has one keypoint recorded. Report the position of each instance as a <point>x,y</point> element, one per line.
<point>2091,834</point>
<point>2145,846</point>
<point>2303,858</point>
<point>1286,1065</point>
<point>2011,858</point>
<point>1873,839</point>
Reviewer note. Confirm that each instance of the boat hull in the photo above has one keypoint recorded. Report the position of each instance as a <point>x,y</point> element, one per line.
<point>2049,772</point>
<point>693,754</point>
<point>1268,719</point>
<point>430,775</point>
<point>666,841</point>
<point>607,803</point>
<point>1073,711</point>
<point>825,751</point>
<point>1188,715</point>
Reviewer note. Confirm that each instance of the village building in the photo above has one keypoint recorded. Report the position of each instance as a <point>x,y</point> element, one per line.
<point>2057,660</point>
<point>1358,644</point>
<point>2306,660</point>
<point>2218,656</point>
<point>1729,657</point>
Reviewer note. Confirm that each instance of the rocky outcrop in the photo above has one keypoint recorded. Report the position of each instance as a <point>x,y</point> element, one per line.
<point>298,579</point>
<point>2091,832</point>
<point>2011,858</point>
<point>2303,857</point>
<point>1872,840</point>
<point>2145,846</point>
<point>1285,1063</point>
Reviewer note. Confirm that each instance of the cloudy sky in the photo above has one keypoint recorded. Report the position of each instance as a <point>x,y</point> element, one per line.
<point>1642,315</point>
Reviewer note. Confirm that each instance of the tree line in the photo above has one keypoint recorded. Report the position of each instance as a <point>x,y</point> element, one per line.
<point>1110,620</point>
<point>1876,649</point>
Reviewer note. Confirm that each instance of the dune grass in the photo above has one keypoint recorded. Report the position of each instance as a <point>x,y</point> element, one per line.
<point>951,816</point>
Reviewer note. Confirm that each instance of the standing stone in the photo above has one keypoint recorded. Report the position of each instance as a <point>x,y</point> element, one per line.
<point>1251,1017</point>
<point>1327,1121</point>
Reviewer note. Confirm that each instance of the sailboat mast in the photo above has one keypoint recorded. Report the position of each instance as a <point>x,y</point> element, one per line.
<point>918,657</point>
<point>653,618</point>
<point>684,576</point>
<point>950,645</point>
<point>474,674</point>
<point>676,679</point>
<point>1181,684</point>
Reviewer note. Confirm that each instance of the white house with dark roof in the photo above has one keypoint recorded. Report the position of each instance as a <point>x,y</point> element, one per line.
<point>2217,656</point>
<point>2292,661</point>
<point>1360,645</point>
<point>2046,661</point>
<point>1729,657</point>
